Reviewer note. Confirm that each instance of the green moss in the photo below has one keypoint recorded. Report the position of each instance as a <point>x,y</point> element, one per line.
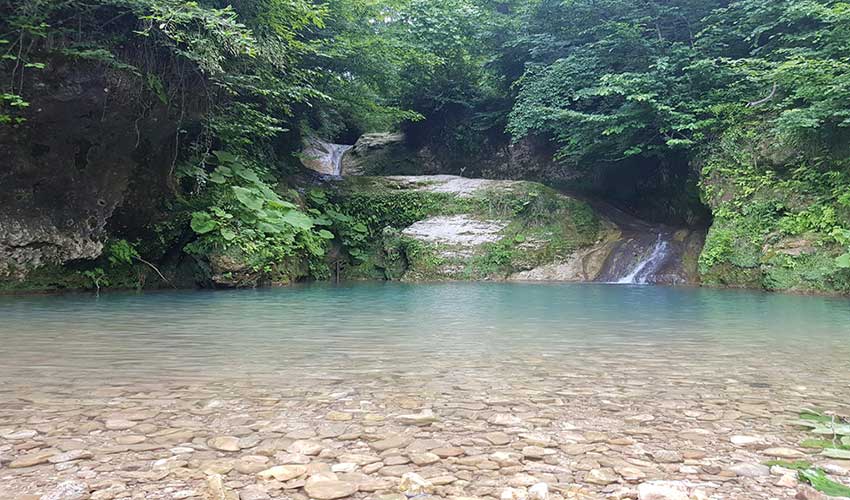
<point>776,226</point>
<point>795,465</point>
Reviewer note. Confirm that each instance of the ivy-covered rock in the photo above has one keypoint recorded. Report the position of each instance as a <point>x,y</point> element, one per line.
<point>448,227</point>
<point>780,219</point>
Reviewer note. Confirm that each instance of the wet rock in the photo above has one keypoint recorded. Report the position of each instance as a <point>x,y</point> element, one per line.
<point>329,489</point>
<point>68,490</point>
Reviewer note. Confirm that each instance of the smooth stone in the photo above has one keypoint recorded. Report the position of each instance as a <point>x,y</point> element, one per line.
<point>251,464</point>
<point>283,473</point>
<point>666,456</point>
<point>533,452</point>
<point>253,492</point>
<point>20,435</point>
<point>426,458</point>
<point>117,424</point>
<point>427,417</point>
<point>69,456</point>
<point>448,452</point>
<point>750,470</point>
<point>304,447</point>
<point>329,489</point>
<point>498,438</point>
<point>359,458</point>
<point>35,458</point>
<point>224,443</point>
<point>601,476</point>
<point>784,453</point>
<point>397,441</point>
<point>339,416</point>
<point>630,473</point>
<point>746,441</point>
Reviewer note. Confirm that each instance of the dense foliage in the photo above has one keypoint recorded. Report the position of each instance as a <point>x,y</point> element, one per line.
<point>750,97</point>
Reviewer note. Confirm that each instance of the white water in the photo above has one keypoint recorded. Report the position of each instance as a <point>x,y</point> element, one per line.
<point>336,153</point>
<point>325,157</point>
<point>647,267</point>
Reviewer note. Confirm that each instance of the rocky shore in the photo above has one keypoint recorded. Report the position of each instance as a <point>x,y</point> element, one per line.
<point>589,433</point>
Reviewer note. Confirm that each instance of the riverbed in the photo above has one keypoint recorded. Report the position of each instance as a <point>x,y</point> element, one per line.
<point>476,387</point>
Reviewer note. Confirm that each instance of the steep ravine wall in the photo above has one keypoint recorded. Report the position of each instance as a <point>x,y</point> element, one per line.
<point>87,157</point>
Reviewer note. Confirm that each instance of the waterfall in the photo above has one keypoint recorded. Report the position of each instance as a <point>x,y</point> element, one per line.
<point>336,153</point>
<point>647,267</point>
<point>324,157</point>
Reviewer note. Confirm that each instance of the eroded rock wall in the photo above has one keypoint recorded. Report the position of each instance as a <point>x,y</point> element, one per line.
<point>87,145</point>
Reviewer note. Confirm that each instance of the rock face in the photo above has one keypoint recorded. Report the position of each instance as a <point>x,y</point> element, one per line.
<point>447,227</point>
<point>86,156</point>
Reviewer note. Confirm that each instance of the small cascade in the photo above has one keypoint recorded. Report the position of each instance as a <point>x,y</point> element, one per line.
<point>647,268</point>
<point>336,154</point>
<point>324,157</point>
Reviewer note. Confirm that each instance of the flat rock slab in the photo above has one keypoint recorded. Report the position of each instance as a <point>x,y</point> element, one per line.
<point>329,489</point>
<point>456,230</point>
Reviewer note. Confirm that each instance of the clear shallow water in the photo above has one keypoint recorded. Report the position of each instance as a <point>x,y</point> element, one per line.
<point>404,329</point>
<point>604,375</point>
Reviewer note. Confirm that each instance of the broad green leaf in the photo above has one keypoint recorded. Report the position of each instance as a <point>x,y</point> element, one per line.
<point>298,220</point>
<point>202,223</point>
<point>325,234</point>
<point>248,197</point>
<point>228,234</point>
